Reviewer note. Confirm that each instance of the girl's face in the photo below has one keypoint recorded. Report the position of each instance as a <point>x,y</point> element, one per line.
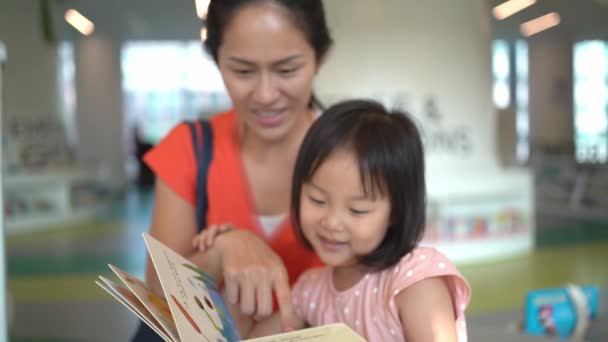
<point>268,67</point>
<point>339,220</point>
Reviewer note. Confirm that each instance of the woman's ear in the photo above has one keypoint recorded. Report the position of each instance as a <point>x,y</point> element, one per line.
<point>320,63</point>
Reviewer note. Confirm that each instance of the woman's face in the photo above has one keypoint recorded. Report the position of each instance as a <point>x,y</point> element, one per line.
<point>268,67</point>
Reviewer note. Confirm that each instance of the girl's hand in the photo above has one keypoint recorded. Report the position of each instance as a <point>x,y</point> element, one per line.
<point>252,272</point>
<point>204,240</point>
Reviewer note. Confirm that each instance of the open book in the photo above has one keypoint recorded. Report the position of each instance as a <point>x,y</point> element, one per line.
<point>191,308</point>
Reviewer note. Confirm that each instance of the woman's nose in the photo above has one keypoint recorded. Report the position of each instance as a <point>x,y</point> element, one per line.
<point>265,92</point>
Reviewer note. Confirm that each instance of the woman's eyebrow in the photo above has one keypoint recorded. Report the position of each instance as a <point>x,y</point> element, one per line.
<point>279,62</point>
<point>287,59</point>
<point>241,61</point>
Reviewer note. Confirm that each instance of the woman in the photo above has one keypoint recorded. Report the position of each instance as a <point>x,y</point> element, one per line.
<point>268,52</point>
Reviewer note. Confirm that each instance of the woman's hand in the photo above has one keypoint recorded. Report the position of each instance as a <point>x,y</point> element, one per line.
<point>252,272</point>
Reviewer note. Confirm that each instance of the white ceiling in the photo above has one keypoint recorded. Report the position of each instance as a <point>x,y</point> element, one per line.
<point>580,19</point>
<point>176,19</point>
<point>132,19</point>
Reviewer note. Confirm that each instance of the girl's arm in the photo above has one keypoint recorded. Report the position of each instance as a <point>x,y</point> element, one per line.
<point>426,310</point>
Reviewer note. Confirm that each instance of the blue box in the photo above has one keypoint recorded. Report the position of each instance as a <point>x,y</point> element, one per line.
<point>551,312</point>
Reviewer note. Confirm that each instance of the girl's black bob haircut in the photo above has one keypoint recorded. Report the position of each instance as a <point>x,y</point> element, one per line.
<point>388,148</point>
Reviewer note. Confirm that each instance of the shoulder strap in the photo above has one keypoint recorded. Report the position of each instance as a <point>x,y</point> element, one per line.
<point>203,152</point>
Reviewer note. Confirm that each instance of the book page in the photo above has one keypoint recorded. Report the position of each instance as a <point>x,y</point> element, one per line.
<point>128,299</point>
<point>155,303</point>
<point>198,309</point>
<point>327,333</point>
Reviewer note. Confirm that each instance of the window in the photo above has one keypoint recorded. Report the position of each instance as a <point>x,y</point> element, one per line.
<point>503,60</point>
<point>67,88</point>
<point>502,74</point>
<point>591,101</point>
<point>522,114</point>
<point>167,82</point>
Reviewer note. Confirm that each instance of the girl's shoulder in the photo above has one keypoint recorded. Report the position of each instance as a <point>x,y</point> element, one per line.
<point>312,287</point>
<point>424,263</point>
<point>314,275</point>
<point>314,282</point>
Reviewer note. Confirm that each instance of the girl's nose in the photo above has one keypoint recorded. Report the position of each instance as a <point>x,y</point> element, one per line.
<point>331,221</point>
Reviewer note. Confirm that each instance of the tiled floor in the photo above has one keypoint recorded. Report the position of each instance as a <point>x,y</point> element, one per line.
<point>51,276</point>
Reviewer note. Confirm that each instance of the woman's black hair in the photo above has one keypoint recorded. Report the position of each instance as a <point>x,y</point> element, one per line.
<point>308,15</point>
<point>389,152</point>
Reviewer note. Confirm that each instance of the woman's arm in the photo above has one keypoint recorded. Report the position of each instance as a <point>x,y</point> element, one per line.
<point>174,224</point>
<point>426,310</point>
<point>247,267</point>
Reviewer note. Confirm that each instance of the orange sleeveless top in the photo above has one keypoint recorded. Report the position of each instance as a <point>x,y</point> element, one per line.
<point>229,196</point>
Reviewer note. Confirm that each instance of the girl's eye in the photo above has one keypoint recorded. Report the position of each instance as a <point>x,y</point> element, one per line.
<point>316,201</point>
<point>358,212</point>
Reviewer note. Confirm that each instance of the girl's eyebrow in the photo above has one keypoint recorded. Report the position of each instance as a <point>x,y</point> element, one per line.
<point>361,198</point>
<point>279,62</point>
<point>358,197</point>
<point>315,186</point>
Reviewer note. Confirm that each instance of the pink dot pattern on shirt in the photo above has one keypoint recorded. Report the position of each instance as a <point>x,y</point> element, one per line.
<point>369,306</point>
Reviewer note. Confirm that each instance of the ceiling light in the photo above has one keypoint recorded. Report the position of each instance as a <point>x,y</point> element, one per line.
<point>539,24</point>
<point>201,8</point>
<point>203,33</point>
<point>79,22</point>
<point>506,9</point>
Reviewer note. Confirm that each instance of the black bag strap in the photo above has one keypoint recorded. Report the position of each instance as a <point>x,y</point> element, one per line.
<point>203,152</point>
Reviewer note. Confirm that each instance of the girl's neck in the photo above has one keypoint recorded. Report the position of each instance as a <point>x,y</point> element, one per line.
<point>345,277</point>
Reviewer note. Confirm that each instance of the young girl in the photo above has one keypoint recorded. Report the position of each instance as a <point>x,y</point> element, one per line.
<point>358,199</point>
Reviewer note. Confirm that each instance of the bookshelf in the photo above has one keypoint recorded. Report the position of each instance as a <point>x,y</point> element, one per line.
<point>36,201</point>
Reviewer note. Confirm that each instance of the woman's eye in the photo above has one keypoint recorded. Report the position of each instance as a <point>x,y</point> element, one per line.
<point>287,71</point>
<point>242,72</point>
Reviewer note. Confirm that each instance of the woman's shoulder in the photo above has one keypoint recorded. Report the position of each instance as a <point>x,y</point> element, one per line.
<point>223,121</point>
<point>181,133</point>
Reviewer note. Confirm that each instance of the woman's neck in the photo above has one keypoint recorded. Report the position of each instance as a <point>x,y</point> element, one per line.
<point>263,150</point>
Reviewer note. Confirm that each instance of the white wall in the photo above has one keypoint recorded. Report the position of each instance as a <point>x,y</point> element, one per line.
<point>425,48</point>
<point>31,86</point>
